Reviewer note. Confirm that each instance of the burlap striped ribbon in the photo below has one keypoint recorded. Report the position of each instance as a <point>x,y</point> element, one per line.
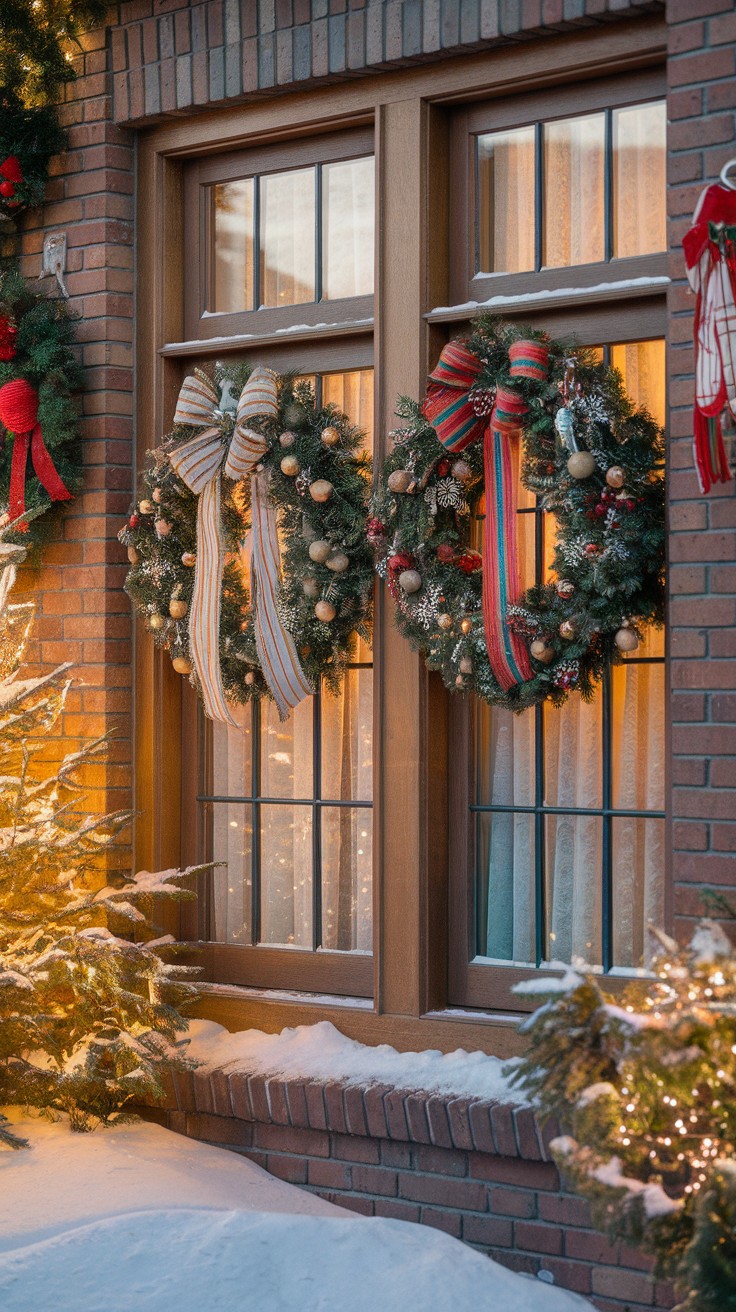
<point>449,408</point>
<point>232,447</point>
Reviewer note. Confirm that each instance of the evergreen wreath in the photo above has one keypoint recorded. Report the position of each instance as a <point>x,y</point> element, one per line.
<point>593,459</point>
<point>40,459</point>
<point>318,483</point>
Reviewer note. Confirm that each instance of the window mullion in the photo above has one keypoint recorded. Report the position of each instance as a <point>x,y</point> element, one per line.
<point>255,810</point>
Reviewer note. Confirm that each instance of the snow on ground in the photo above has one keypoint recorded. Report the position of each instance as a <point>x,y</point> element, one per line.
<point>138,1219</point>
<point>321,1052</point>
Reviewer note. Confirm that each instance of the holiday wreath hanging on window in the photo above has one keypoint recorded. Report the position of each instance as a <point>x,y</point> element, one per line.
<point>39,459</point>
<point>503,406</point>
<point>249,556</point>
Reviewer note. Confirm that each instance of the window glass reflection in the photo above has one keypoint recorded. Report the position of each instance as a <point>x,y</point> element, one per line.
<point>348,207</point>
<point>287,241</point>
<point>506,188</point>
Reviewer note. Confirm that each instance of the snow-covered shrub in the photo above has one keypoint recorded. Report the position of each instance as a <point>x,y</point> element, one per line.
<point>644,1086</point>
<point>88,995</point>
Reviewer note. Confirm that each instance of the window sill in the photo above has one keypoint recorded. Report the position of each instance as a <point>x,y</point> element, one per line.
<point>623,289</point>
<point>292,333</point>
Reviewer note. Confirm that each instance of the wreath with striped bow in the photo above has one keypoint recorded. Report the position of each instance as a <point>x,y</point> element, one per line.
<point>39,426</point>
<point>249,560</point>
<point>506,407</point>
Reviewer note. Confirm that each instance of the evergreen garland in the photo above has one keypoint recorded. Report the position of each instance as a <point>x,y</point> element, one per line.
<point>609,553</point>
<point>161,537</point>
<point>28,139</point>
<point>36,344</point>
<point>37,39</point>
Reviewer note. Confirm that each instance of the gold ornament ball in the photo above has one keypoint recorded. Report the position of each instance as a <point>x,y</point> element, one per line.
<point>400,480</point>
<point>287,438</point>
<point>188,558</point>
<point>319,550</point>
<point>146,507</point>
<point>321,490</point>
<point>581,464</point>
<point>133,556</point>
<point>250,678</point>
<point>337,562</point>
<point>330,436</point>
<point>157,495</point>
<point>564,588</point>
<point>290,466</point>
<point>567,629</point>
<point>615,476</point>
<point>410,580</point>
<point>181,665</point>
<point>177,608</point>
<point>459,681</point>
<point>626,640</point>
<point>541,651</point>
<point>461,471</point>
<point>310,587</point>
<point>163,528</point>
<point>466,665</point>
<point>444,621</point>
<point>325,611</point>
<point>155,621</point>
<point>466,626</point>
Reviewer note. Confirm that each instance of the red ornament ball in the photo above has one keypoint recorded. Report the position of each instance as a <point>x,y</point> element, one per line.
<point>134,521</point>
<point>18,406</point>
<point>400,561</point>
<point>592,549</point>
<point>445,553</point>
<point>443,468</point>
<point>11,169</point>
<point>470,561</point>
<point>7,189</point>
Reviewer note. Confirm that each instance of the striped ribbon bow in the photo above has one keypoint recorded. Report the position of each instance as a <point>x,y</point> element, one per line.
<point>228,445</point>
<point>458,421</point>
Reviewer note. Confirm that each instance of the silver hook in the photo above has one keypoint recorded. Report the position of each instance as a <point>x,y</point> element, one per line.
<point>730,164</point>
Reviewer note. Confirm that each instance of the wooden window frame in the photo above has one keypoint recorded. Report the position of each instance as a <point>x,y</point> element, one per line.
<point>410,112</point>
<point>258,161</point>
<point>527,110</point>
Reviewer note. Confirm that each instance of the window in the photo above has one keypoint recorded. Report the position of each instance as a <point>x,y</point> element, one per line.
<point>559,852</point>
<point>284,236</point>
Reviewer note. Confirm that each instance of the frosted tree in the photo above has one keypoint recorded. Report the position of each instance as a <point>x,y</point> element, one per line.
<point>88,996</point>
<point>645,1086</point>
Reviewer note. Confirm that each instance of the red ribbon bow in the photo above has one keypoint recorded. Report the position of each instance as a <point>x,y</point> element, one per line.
<point>19,415</point>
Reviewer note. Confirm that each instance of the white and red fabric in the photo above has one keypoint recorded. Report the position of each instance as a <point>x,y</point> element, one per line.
<point>710,256</point>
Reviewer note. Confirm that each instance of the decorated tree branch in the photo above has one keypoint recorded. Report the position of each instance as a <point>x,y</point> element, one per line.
<point>249,557</point>
<point>644,1086</point>
<point>28,140</point>
<point>40,461</point>
<point>37,44</point>
<point>89,990</point>
<point>509,405</point>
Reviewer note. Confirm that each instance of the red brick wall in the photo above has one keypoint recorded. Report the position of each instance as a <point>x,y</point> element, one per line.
<point>82,613</point>
<point>478,1170</point>
<point>702,543</point>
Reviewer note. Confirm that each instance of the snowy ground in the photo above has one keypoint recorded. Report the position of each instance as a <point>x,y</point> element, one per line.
<point>137,1219</point>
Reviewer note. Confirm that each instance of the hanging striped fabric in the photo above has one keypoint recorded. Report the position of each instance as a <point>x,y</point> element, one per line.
<point>447,405</point>
<point>507,654</point>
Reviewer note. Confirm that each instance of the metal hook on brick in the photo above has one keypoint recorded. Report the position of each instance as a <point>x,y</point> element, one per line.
<point>53,262</point>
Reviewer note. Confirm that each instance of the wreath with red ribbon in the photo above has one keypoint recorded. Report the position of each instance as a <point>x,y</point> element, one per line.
<point>39,373</point>
<point>508,407</point>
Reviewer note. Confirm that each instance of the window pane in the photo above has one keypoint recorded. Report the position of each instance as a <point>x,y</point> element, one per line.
<point>574,226</point>
<point>574,887</point>
<point>286,750</point>
<point>232,204</point>
<point>639,754</point>
<point>642,366</point>
<point>573,754</point>
<point>352,392</point>
<point>347,739</point>
<point>232,756</point>
<point>287,237</point>
<point>639,179</point>
<point>506,201</point>
<point>286,875</point>
<point>347,879</point>
<point>348,209</point>
<point>505,873</point>
<point>638,887</point>
<point>231,843</point>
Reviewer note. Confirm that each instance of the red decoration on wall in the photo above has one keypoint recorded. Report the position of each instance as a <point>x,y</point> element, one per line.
<point>8,333</point>
<point>19,415</point>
